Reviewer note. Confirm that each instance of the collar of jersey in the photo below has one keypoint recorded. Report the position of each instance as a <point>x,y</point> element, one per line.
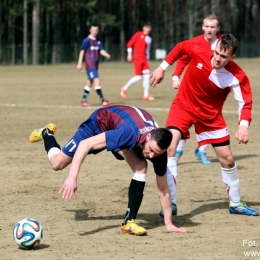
<point>91,37</point>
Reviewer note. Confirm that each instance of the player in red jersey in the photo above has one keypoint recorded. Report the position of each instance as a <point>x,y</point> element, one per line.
<point>210,27</point>
<point>90,49</point>
<point>206,84</point>
<point>141,42</point>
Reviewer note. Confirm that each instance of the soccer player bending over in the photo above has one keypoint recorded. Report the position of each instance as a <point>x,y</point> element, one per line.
<point>131,134</point>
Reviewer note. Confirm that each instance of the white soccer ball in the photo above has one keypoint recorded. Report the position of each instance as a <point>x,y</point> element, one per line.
<point>27,233</point>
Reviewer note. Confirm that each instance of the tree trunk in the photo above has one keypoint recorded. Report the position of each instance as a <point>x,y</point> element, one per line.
<point>133,21</point>
<point>25,33</point>
<point>122,31</point>
<point>13,34</point>
<point>56,35</point>
<point>35,30</point>
<point>191,18</point>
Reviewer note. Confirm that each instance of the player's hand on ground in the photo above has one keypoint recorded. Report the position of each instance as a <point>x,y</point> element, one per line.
<point>69,188</point>
<point>79,67</point>
<point>172,228</point>
<point>242,135</point>
<point>157,77</point>
<point>176,83</point>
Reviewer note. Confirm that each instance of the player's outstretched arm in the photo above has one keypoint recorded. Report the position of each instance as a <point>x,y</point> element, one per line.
<point>69,187</point>
<point>157,77</point>
<point>165,200</point>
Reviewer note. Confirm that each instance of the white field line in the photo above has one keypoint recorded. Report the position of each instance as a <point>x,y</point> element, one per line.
<point>163,109</point>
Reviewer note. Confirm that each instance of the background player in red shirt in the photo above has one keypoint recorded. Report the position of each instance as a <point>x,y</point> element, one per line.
<point>208,80</point>
<point>90,49</point>
<point>141,42</point>
<point>210,27</point>
<point>130,133</point>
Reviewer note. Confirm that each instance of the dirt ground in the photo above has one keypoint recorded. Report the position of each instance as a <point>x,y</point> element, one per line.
<point>88,227</point>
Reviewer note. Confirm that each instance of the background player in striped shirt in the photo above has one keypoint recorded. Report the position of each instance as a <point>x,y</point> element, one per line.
<point>141,42</point>
<point>208,80</point>
<point>90,49</point>
<point>130,133</point>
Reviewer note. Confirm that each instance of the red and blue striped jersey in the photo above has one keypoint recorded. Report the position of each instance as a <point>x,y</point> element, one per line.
<point>125,127</point>
<point>92,46</point>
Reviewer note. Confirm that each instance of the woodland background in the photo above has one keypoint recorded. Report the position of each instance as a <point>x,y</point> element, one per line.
<point>51,31</point>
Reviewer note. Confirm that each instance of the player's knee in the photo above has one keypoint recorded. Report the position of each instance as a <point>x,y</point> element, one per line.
<point>227,161</point>
<point>57,166</point>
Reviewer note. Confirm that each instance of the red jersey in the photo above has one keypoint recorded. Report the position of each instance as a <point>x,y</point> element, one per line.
<point>203,89</point>
<point>185,60</point>
<point>141,44</point>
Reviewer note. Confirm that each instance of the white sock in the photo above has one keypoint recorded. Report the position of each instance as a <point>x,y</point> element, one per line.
<point>52,151</point>
<point>230,178</point>
<point>203,148</point>
<point>146,84</point>
<point>132,81</point>
<point>139,176</point>
<point>87,88</point>
<point>181,145</point>
<point>172,176</point>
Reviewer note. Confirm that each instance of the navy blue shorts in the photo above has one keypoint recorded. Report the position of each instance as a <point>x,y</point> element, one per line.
<point>92,74</point>
<point>89,129</point>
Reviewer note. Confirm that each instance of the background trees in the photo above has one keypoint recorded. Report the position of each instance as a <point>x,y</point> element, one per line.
<point>51,31</point>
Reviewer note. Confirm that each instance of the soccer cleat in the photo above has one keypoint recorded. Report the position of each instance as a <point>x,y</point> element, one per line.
<point>105,103</point>
<point>174,210</point>
<point>123,92</point>
<point>243,209</point>
<point>178,155</point>
<point>36,135</point>
<point>133,229</point>
<point>148,98</point>
<point>84,104</point>
<point>203,157</point>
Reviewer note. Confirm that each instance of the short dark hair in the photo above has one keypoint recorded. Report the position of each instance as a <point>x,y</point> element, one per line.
<point>147,24</point>
<point>94,25</point>
<point>162,136</point>
<point>228,41</point>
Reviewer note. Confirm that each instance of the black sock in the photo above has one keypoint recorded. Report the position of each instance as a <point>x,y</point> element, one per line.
<point>85,95</point>
<point>135,196</point>
<point>49,139</point>
<point>100,94</point>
